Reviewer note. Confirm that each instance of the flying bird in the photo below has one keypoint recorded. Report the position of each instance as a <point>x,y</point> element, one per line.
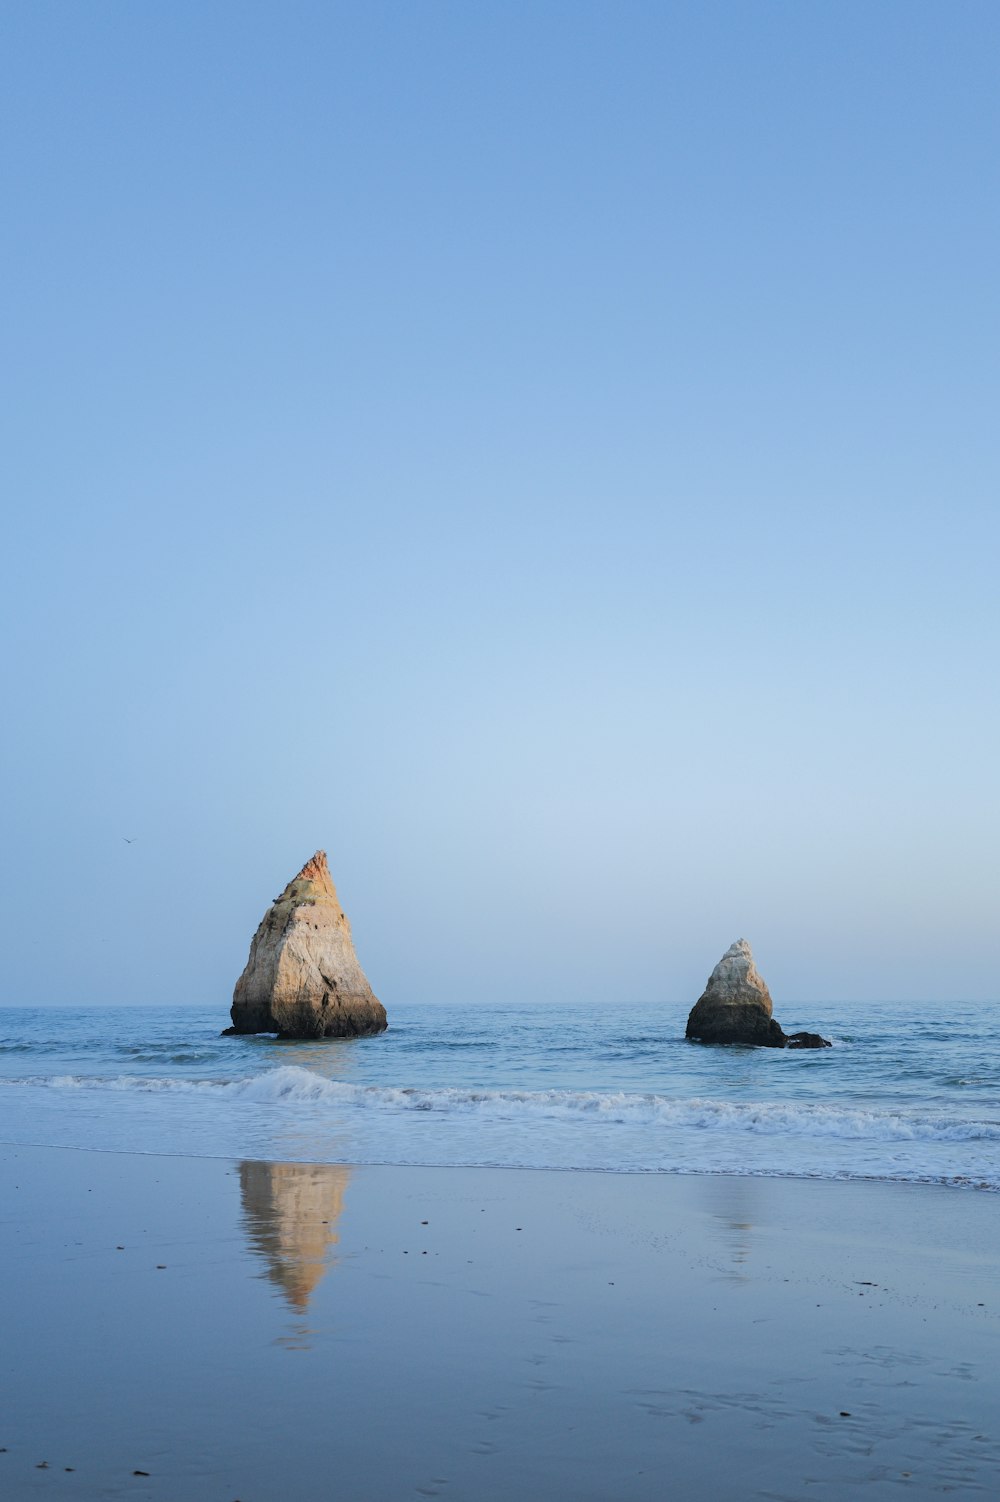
<point>130,841</point>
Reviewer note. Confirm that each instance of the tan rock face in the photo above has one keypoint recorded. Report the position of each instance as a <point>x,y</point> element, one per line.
<point>303,979</point>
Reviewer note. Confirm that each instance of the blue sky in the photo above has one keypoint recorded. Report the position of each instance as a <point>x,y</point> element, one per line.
<point>544,454</point>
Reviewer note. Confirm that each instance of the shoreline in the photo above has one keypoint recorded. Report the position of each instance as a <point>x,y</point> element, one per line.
<point>772,1176</point>
<point>254,1329</point>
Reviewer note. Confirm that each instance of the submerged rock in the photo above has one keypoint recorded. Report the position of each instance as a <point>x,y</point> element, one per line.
<point>735,1007</point>
<point>806,1040</point>
<point>303,979</point>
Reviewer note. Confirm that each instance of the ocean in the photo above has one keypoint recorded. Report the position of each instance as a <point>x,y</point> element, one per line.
<point>908,1092</point>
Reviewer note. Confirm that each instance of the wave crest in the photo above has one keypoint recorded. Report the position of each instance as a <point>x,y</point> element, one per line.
<point>292,1085</point>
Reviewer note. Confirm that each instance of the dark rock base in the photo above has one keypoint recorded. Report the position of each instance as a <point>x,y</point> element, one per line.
<point>740,1022</point>
<point>746,1025</point>
<point>349,1017</point>
<point>774,1037</point>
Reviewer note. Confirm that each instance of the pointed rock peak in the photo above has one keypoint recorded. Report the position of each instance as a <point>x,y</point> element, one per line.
<point>312,882</point>
<point>316,869</point>
<point>737,968</point>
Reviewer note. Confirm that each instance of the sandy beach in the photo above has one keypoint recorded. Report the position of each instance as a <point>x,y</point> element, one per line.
<point>258,1331</point>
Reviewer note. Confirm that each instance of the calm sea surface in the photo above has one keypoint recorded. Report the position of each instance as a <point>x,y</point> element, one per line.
<point>906,1093</point>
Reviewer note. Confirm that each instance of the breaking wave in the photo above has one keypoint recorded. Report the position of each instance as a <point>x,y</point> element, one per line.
<point>290,1085</point>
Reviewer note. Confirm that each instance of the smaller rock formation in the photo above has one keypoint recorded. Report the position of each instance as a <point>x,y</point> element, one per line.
<point>806,1040</point>
<point>735,1007</point>
<point>303,979</point>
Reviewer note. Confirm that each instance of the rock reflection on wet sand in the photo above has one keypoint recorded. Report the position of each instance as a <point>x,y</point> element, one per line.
<point>489,1335</point>
<point>290,1213</point>
<point>734,1208</point>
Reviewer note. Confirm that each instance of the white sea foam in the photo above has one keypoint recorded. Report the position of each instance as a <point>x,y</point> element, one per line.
<point>290,1085</point>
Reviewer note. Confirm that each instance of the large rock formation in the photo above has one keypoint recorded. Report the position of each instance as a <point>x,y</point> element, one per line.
<point>735,1007</point>
<point>303,979</point>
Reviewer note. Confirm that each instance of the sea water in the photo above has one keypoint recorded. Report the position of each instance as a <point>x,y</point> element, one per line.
<point>907,1092</point>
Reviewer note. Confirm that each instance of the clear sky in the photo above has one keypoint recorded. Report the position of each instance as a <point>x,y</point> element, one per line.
<point>545,454</point>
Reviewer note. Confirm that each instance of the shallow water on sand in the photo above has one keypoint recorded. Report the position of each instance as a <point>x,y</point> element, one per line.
<point>282,1332</point>
<point>908,1092</point>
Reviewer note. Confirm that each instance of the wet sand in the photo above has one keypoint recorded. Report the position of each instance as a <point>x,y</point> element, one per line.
<point>268,1331</point>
